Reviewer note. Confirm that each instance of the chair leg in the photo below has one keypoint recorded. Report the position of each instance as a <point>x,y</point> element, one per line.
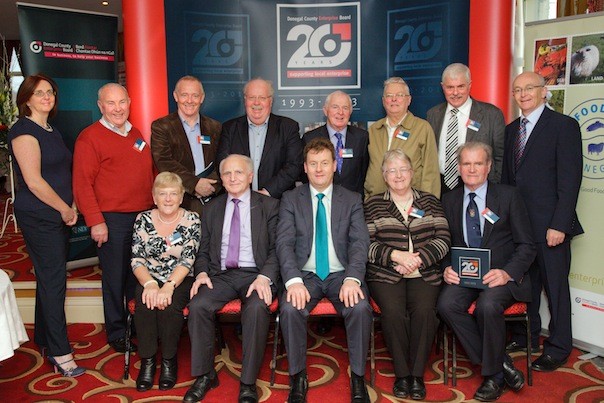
<point>529,347</point>
<point>454,367</point>
<point>127,353</point>
<point>273,364</point>
<point>372,352</point>
<point>445,354</point>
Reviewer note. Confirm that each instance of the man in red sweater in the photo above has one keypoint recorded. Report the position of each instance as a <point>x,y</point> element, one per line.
<point>112,181</point>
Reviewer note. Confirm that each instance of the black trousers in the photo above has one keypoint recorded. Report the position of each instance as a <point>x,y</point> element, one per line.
<point>409,322</point>
<point>164,325</point>
<point>46,238</point>
<point>118,281</point>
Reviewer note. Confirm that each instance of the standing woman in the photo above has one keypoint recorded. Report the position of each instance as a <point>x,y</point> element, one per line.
<point>409,236</point>
<point>43,207</point>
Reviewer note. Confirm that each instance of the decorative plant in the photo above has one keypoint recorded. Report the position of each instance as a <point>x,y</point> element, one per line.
<point>8,109</point>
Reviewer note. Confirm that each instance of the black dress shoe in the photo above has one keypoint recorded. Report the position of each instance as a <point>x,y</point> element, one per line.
<point>417,389</point>
<point>299,386</point>
<point>144,381</point>
<point>514,346</point>
<point>547,363</point>
<point>512,376</point>
<point>168,373</point>
<point>200,387</point>
<point>489,391</point>
<point>358,389</point>
<point>119,345</point>
<point>401,387</point>
<point>247,393</point>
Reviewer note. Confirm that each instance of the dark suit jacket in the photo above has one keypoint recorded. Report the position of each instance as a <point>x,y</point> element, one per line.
<point>549,174</point>
<point>264,212</point>
<point>509,239</point>
<point>172,152</point>
<point>354,169</point>
<point>491,131</point>
<point>295,232</point>
<point>281,162</point>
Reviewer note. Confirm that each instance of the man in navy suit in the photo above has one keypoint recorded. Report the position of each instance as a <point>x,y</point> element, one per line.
<point>476,121</point>
<point>543,159</point>
<point>352,141</point>
<point>272,142</point>
<point>322,246</point>
<point>508,236</point>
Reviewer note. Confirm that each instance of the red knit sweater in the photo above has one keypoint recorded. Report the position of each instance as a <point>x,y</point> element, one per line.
<point>110,174</point>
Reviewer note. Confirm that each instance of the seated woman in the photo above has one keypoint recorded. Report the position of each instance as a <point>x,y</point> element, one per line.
<point>409,236</point>
<point>164,245</point>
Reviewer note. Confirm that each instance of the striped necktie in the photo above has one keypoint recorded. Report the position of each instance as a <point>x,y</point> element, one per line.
<point>452,140</point>
<point>520,142</point>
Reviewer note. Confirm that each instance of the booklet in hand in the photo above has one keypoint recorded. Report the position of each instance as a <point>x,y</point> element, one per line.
<point>471,264</point>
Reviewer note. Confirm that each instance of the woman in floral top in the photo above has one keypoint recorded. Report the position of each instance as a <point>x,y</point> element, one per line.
<point>164,246</point>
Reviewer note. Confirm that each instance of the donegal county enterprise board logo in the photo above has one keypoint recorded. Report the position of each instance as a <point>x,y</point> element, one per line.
<point>590,115</point>
<point>35,46</point>
<point>319,45</point>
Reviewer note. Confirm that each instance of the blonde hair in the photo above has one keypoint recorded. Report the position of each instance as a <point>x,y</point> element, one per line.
<point>168,180</point>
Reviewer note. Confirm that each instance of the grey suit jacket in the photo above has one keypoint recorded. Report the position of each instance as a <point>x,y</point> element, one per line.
<point>295,231</point>
<point>491,131</point>
<point>264,215</point>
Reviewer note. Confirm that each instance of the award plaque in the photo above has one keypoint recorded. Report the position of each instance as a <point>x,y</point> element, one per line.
<point>471,264</point>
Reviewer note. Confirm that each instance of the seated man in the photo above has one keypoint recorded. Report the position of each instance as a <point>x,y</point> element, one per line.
<point>236,259</point>
<point>510,240</point>
<point>323,258</point>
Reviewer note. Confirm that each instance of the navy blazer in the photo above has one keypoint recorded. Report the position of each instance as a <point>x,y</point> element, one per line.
<point>510,239</point>
<point>295,231</point>
<point>281,161</point>
<point>549,173</point>
<point>354,169</point>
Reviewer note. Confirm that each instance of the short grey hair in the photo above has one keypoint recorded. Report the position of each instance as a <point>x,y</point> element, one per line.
<point>338,92</point>
<point>396,80</point>
<point>475,145</point>
<point>456,70</point>
<point>395,154</point>
<point>189,78</point>
<point>269,83</point>
<point>247,161</point>
<point>110,85</point>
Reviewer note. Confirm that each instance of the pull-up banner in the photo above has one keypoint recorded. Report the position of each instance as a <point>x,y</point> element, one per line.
<point>309,49</point>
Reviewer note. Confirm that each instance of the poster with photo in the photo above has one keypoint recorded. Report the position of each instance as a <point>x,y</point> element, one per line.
<point>555,100</point>
<point>550,60</point>
<point>587,59</point>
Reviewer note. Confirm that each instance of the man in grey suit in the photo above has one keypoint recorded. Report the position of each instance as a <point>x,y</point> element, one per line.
<point>463,119</point>
<point>236,259</point>
<point>320,258</point>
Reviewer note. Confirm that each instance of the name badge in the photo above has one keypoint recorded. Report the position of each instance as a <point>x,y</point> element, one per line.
<point>415,212</point>
<point>203,139</point>
<point>139,145</point>
<point>472,124</point>
<point>174,239</point>
<point>490,216</point>
<point>404,135</point>
<point>346,152</point>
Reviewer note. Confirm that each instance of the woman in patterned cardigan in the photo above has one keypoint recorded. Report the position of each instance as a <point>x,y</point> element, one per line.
<point>409,236</point>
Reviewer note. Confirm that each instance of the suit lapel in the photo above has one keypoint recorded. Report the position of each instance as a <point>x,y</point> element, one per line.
<point>271,138</point>
<point>206,148</point>
<point>459,215</point>
<point>492,203</point>
<point>442,110</point>
<point>244,135</point>
<point>177,127</point>
<point>256,218</point>
<point>305,204</point>
<point>476,114</point>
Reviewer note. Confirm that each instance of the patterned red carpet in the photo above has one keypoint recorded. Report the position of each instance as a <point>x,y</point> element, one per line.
<point>27,377</point>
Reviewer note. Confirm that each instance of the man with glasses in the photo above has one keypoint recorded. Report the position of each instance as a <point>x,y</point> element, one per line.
<point>463,119</point>
<point>185,142</point>
<point>401,129</point>
<point>272,142</point>
<point>543,158</point>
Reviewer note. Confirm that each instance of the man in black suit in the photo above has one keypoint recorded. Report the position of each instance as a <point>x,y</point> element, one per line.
<point>185,142</point>
<point>543,159</point>
<point>322,246</point>
<point>236,259</point>
<point>349,141</point>
<point>509,238</point>
<point>271,141</point>
<point>462,119</point>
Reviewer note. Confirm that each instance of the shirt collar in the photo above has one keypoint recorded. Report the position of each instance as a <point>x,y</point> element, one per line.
<point>534,116</point>
<point>481,191</point>
<point>327,192</point>
<point>250,123</point>
<point>465,108</point>
<point>332,132</point>
<point>184,121</point>
<point>127,127</point>
<point>245,197</point>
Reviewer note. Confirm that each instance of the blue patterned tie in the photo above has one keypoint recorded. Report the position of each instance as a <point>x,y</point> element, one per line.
<point>321,252</point>
<point>339,150</point>
<point>520,142</point>
<point>473,223</point>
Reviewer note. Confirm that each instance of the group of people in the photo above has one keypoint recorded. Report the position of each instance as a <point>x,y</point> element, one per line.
<point>249,209</point>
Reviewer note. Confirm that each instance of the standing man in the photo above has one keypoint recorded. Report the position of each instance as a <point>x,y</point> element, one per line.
<point>543,158</point>
<point>271,141</point>
<point>350,142</point>
<point>400,129</point>
<point>236,259</point>
<point>322,246</point>
<point>512,250</point>
<point>112,181</point>
<point>185,142</point>
<point>462,119</point>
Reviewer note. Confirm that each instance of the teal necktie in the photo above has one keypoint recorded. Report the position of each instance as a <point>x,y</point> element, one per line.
<point>321,253</point>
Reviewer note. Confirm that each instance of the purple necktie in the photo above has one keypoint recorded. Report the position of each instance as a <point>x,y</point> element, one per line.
<point>520,142</point>
<point>232,257</point>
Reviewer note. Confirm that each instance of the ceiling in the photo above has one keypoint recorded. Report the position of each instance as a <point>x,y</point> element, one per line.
<point>9,24</point>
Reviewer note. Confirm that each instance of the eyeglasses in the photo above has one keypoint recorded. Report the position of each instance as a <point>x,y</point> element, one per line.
<point>42,94</point>
<point>400,95</point>
<point>255,98</point>
<point>527,89</point>
<point>394,171</point>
